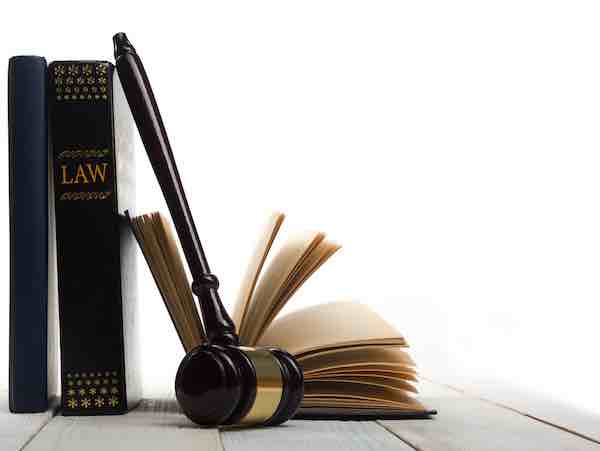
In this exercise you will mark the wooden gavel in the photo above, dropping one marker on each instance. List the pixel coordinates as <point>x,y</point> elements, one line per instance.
<point>218,382</point>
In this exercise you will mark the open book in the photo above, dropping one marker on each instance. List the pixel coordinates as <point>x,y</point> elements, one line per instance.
<point>354,362</point>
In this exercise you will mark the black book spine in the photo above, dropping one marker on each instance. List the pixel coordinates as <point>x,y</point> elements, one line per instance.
<point>93,182</point>
<point>28,211</point>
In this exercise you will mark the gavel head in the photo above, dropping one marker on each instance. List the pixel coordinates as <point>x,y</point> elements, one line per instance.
<point>227,385</point>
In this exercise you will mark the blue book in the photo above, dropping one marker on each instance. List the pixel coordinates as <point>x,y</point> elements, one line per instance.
<point>28,200</point>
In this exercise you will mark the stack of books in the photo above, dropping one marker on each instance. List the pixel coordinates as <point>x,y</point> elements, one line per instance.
<point>355,364</point>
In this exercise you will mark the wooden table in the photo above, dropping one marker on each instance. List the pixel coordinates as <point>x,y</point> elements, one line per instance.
<point>464,422</point>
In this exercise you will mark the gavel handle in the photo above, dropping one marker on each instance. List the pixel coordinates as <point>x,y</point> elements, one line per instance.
<point>219,327</point>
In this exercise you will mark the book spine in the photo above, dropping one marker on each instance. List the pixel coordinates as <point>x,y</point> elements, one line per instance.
<point>94,282</point>
<point>28,217</point>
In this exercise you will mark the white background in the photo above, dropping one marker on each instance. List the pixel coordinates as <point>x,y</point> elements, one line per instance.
<point>451,147</point>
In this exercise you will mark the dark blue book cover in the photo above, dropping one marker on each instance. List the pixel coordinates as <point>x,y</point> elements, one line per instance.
<point>28,205</point>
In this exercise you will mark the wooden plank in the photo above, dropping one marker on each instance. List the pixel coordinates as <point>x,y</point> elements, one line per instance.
<point>534,405</point>
<point>467,423</point>
<point>314,436</point>
<point>154,425</point>
<point>16,430</point>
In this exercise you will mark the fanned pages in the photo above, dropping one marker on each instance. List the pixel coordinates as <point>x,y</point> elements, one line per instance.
<point>254,268</point>
<point>278,276</point>
<point>296,261</point>
<point>160,250</point>
<point>359,357</point>
<point>354,362</point>
<point>329,326</point>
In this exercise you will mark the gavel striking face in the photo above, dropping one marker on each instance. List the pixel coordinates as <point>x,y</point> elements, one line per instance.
<point>225,384</point>
<point>218,382</point>
<point>221,383</point>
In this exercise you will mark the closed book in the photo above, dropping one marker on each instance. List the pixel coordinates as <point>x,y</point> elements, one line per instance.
<point>94,181</point>
<point>28,217</point>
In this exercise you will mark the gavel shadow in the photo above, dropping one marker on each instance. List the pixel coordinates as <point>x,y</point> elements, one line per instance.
<point>167,413</point>
<point>163,412</point>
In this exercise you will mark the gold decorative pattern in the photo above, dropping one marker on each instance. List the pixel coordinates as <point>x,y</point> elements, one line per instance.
<point>84,195</point>
<point>59,70</point>
<point>91,395</point>
<point>80,81</point>
<point>73,69</point>
<point>84,153</point>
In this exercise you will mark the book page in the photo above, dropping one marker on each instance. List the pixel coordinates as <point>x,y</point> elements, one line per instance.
<point>317,257</point>
<point>359,358</point>
<point>352,403</point>
<point>380,371</point>
<point>254,268</point>
<point>341,393</point>
<point>155,261</point>
<point>168,243</point>
<point>329,326</point>
<point>395,383</point>
<point>160,250</point>
<point>283,266</point>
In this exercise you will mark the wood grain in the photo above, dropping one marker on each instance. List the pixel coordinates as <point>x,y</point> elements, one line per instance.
<point>534,405</point>
<point>154,425</point>
<point>16,430</point>
<point>465,423</point>
<point>314,436</point>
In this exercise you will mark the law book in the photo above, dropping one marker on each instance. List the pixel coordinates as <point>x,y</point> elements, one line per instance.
<point>31,375</point>
<point>355,364</point>
<point>94,182</point>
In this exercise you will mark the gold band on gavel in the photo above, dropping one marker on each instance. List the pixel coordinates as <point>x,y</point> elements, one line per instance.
<point>269,386</point>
